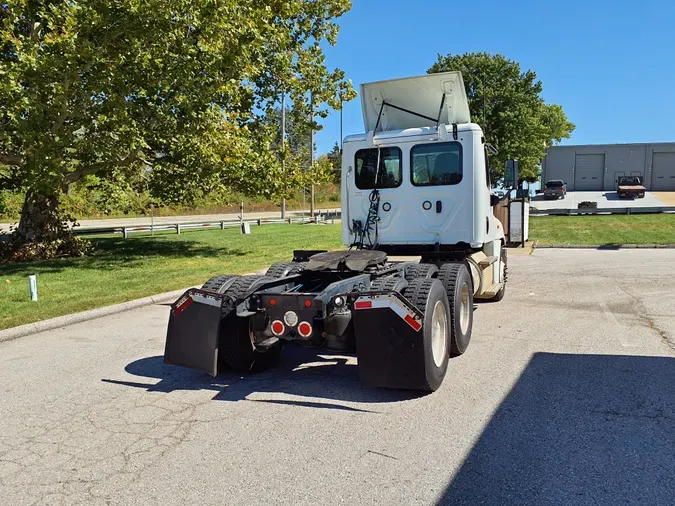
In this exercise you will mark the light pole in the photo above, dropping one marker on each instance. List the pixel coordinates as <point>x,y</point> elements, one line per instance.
<point>340,123</point>
<point>283,149</point>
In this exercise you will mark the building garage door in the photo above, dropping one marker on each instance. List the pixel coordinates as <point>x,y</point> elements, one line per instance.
<point>663,172</point>
<point>589,171</point>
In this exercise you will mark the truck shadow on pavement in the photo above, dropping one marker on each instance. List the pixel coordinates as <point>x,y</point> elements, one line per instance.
<point>614,196</point>
<point>577,429</point>
<point>304,372</point>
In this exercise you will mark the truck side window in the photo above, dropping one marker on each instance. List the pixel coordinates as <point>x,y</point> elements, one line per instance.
<point>436,164</point>
<point>389,173</point>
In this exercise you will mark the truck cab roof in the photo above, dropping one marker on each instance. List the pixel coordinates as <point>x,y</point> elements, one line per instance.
<point>411,133</point>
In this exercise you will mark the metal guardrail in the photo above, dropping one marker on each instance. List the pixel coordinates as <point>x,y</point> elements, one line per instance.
<point>603,210</point>
<point>220,224</point>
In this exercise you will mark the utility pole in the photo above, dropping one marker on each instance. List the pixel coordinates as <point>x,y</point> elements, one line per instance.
<point>283,149</point>
<point>340,123</point>
<point>311,155</point>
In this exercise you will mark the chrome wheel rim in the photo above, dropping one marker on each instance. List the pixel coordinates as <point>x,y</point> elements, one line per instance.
<point>464,308</point>
<point>439,333</point>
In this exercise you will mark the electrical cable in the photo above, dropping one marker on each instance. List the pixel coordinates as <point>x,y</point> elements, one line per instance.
<point>363,231</point>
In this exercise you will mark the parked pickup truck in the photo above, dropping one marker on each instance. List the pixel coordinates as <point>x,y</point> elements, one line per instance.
<point>631,186</point>
<point>554,189</point>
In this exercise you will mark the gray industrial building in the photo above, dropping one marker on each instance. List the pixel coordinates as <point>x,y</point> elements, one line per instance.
<point>597,167</point>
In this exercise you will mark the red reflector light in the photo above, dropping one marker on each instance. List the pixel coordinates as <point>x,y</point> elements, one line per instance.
<point>305,329</point>
<point>277,328</point>
<point>413,323</point>
<point>182,306</point>
<point>273,302</point>
<point>363,305</point>
<point>308,303</point>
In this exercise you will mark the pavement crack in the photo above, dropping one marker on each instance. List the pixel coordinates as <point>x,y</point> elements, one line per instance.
<point>619,414</point>
<point>648,320</point>
<point>381,454</point>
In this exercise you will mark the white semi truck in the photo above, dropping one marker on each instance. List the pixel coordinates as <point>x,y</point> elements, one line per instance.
<point>416,183</point>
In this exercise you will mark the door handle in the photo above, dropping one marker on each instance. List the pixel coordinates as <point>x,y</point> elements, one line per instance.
<point>439,206</point>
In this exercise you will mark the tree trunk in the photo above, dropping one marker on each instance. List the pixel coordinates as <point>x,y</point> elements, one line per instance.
<point>40,219</point>
<point>42,232</point>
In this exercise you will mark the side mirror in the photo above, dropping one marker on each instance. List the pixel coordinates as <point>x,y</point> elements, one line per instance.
<point>510,173</point>
<point>494,200</point>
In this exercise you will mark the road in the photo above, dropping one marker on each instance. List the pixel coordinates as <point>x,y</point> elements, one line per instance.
<point>197,218</point>
<point>565,396</point>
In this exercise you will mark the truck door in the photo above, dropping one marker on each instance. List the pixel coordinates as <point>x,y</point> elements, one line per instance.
<point>438,196</point>
<point>381,169</point>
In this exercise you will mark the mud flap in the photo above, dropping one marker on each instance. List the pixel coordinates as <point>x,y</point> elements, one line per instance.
<point>389,349</point>
<point>192,336</point>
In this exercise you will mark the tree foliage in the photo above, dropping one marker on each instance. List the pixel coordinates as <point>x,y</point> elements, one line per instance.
<point>335,158</point>
<point>507,103</point>
<point>173,91</point>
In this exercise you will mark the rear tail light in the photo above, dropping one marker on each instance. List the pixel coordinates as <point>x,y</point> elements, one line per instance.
<point>277,328</point>
<point>305,329</point>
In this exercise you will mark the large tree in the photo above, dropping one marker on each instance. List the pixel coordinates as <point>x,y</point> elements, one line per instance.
<point>507,103</point>
<point>173,89</point>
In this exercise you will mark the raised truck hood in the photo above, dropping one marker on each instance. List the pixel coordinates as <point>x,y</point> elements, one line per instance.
<point>422,95</point>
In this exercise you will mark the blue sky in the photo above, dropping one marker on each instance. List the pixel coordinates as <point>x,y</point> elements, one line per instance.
<point>611,66</point>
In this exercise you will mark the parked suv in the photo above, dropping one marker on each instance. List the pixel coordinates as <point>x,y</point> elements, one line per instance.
<point>555,189</point>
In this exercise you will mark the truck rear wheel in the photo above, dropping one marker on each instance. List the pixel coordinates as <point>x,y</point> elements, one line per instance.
<point>393,283</point>
<point>220,283</point>
<point>459,288</point>
<point>236,348</point>
<point>283,269</point>
<point>429,296</point>
<point>421,271</point>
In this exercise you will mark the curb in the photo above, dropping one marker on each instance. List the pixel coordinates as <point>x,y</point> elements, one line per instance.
<point>71,319</point>
<point>605,246</point>
<point>66,320</point>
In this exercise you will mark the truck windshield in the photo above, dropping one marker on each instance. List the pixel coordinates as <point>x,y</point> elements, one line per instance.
<point>389,173</point>
<point>554,184</point>
<point>630,181</point>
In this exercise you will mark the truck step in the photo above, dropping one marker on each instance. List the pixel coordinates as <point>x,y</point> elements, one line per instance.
<point>488,261</point>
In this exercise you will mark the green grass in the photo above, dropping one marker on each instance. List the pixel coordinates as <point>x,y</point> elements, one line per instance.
<point>120,270</point>
<point>604,230</point>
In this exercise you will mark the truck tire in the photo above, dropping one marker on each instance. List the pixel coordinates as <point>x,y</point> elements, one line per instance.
<point>459,288</point>
<point>219,284</point>
<point>236,348</point>
<point>283,269</point>
<point>424,271</point>
<point>429,296</point>
<point>393,283</point>
<point>505,273</point>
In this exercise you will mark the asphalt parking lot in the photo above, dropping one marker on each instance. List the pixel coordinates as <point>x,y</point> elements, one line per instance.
<point>565,396</point>
<point>605,199</point>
